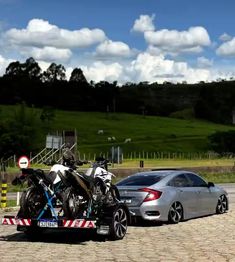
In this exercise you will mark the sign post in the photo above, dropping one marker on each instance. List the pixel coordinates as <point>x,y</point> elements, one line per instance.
<point>23,162</point>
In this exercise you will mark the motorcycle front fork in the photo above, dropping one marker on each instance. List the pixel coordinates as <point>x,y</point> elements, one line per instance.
<point>87,213</point>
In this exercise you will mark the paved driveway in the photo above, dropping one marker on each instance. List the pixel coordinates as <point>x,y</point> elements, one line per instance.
<point>210,238</point>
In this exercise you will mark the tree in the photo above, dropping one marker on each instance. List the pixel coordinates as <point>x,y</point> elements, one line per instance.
<point>78,76</point>
<point>222,142</point>
<point>30,69</point>
<point>54,73</point>
<point>19,134</point>
<point>107,93</point>
<point>14,69</point>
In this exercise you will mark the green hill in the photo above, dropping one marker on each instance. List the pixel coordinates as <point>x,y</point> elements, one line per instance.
<point>149,133</point>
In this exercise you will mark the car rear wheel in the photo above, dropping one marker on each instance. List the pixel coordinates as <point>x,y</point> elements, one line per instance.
<point>222,204</point>
<point>119,223</point>
<point>175,214</point>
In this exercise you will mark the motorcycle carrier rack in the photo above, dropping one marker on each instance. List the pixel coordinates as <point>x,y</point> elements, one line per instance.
<point>112,223</point>
<point>49,223</point>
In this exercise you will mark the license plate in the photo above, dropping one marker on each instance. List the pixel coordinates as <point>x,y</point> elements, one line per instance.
<point>51,224</point>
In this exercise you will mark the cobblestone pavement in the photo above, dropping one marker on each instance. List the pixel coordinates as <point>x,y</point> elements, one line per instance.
<point>210,238</point>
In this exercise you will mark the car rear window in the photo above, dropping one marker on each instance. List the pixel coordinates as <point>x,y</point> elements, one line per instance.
<point>144,180</point>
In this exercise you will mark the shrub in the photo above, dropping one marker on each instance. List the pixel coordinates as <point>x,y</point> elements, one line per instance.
<point>223,141</point>
<point>187,113</point>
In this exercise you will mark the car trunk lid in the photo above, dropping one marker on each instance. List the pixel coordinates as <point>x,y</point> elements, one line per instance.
<point>132,195</point>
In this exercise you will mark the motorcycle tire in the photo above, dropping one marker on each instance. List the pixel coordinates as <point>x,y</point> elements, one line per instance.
<point>32,202</point>
<point>70,204</point>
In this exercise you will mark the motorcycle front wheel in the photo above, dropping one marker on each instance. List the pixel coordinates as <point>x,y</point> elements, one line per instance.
<point>73,204</point>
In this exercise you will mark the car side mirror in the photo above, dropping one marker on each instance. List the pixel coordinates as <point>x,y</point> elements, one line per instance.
<point>210,184</point>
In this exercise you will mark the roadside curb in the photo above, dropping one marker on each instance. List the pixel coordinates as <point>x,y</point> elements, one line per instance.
<point>9,209</point>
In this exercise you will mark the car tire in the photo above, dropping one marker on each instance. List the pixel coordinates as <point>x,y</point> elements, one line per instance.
<point>222,205</point>
<point>118,227</point>
<point>175,214</point>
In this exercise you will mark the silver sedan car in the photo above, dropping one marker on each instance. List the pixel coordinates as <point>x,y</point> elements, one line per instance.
<point>171,195</point>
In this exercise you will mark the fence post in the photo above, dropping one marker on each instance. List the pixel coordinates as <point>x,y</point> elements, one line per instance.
<point>141,163</point>
<point>18,199</point>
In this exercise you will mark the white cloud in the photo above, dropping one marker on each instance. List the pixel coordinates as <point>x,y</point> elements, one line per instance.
<point>100,71</point>
<point>223,73</point>
<point>40,33</point>
<point>3,64</point>
<point>113,49</point>
<point>152,68</point>
<point>227,49</point>
<point>175,42</point>
<point>43,65</point>
<point>48,43</point>
<point>225,37</point>
<point>144,23</point>
<point>47,53</point>
<point>203,62</point>
<point>146,67</point>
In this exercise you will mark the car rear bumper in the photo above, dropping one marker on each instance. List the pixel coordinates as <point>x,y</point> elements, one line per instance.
<point>150,212</point>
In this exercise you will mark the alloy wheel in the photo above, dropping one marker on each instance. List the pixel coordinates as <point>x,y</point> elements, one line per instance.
<point>120,223</point>
<point>175,213</point>
<point>222,205</point>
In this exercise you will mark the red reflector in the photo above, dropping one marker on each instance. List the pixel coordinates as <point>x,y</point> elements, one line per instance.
<point>152,194</point>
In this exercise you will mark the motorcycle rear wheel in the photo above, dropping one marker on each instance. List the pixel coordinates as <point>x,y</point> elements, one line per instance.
<point>32,202</point>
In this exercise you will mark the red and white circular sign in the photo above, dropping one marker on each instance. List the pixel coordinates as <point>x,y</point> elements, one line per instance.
<point>23,162</point>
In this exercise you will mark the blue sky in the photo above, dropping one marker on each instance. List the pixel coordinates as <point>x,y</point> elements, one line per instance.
<point>125,40</point>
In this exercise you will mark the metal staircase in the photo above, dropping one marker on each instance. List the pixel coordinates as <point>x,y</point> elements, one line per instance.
<point>54,147</point>
<point>47,155</point>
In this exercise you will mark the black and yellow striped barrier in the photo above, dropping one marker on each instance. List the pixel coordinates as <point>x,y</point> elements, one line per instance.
<point>4,185</point>
<point>4,194</point>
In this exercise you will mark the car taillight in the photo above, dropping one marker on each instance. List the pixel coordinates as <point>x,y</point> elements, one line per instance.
<point>152,194</point>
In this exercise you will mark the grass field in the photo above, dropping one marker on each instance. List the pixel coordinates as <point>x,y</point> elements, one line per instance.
<point>11,203</point>
<point>164,163</point>
<point>149,134</point>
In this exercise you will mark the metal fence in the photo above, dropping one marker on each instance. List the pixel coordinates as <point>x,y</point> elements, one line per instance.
<point>144,155</point>
<point>177,155</point>
<point>162,155</point>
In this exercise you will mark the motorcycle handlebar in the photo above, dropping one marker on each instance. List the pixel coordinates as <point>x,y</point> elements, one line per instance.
<point>100,162</point>
<point>27,171</point>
